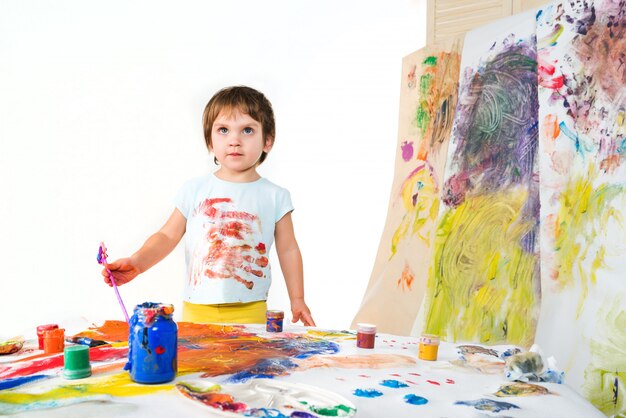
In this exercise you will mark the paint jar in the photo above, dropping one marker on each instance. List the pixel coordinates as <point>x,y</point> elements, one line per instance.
<point>365,335</point>
<point>152,344</point>
<point>76,362</point>
<point>53,340</point>
<point>428,348</point>
<point>40,331</point>
<point>274,321</point>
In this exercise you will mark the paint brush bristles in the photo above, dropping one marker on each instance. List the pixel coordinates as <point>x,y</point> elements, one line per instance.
<point>102,259</point>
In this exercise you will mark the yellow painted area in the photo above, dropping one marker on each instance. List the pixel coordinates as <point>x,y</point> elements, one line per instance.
<point>422,185</point>
<point>483,286</point>
<point>115,385</point>
<point>550,39</point>
<point>581,223</point>
<point>605,376</point>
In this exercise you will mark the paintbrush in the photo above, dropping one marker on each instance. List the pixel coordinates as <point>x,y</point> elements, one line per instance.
<point>102,259</point>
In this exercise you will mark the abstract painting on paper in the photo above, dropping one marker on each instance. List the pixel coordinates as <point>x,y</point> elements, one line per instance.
<point>428,96</point>
<point>582,96</point>
<point>484,279</point>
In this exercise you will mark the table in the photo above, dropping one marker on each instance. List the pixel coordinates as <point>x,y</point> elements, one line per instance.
<point>388,380</point>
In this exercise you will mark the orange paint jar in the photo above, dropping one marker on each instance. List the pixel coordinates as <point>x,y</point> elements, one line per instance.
<point>54,341</point>
<point>428,348</point>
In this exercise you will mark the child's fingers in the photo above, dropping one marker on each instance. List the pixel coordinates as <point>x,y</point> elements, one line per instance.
<point>307,319</point>
<point>296,317</point>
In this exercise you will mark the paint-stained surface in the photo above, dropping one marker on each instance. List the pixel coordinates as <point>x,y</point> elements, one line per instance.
<point>303,373</point>
<point>582,93</point>
<point>483,283</point>
<point>428,95</point>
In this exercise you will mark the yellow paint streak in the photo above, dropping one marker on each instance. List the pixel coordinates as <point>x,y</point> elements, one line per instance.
<point>584,212</point>
<point>605,376</point>
<point>482,284</point>
<point>115,385</point>
<point>426,207</point>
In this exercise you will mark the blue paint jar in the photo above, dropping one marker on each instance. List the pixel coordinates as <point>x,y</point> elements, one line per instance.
<point>152,344</point>
<point>274,321</point>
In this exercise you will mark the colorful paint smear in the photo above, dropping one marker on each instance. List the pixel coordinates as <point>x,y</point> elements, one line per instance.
<point>483,284</point>
<point>582,92</point>
<point>428,97</point>
<point>97,389</point>
<point>488,405</point>
<point>214,350</point>
<point>521,389</point>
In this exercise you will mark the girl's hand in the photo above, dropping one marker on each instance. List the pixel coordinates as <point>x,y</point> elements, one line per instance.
<point>123,271</point>
<point>301,312</point>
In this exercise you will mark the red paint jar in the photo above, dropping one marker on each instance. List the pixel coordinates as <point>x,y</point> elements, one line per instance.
<point>41,329</point>
<point>366,335</point>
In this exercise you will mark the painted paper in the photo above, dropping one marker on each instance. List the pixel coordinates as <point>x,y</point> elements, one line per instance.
<point>582,94</point>
<point>484,281</point>
<point>428,95</point>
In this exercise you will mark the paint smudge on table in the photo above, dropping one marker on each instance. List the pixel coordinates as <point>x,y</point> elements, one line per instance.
<point>367,393</point>
<point>392,383</point>
<point>415,399</point>
<point>488,405</point>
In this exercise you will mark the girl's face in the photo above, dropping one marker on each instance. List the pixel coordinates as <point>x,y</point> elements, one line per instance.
<point>237,142</point>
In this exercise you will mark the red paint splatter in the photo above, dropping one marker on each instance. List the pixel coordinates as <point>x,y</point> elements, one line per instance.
<point>411,382</point>
<point>394,374</point>
<point>415,374</point>
<point>450,381</point>
<point>260,248</point>
<point>159,350</point>
<point>432,382</point>
<point>364,375</point>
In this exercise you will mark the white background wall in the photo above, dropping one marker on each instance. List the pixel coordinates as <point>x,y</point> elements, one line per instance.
<point>100,124</point>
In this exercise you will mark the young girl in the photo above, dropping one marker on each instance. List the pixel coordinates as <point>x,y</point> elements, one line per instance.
<point>230,219</point>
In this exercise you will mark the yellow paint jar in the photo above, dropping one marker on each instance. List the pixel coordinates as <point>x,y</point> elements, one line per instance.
<point>428,348</point>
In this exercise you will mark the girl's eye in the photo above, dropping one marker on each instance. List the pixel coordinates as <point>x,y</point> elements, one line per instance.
<point>248,131</point>
<point>222,130</point>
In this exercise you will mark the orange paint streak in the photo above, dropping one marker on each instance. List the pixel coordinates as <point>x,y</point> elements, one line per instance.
<point>551,127</point>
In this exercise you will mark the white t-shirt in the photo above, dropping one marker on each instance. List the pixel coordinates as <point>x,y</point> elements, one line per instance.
<point>230,230</point>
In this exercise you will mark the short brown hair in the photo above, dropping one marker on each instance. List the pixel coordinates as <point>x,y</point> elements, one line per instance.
<point>247,100</point>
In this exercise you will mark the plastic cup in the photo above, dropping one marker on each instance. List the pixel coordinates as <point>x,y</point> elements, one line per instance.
<point>77,364</point>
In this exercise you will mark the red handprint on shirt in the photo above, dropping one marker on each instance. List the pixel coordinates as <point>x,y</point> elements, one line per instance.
<point>234,250</point>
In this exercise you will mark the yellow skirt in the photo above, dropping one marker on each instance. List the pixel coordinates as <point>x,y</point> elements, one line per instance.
<point>225,313</point>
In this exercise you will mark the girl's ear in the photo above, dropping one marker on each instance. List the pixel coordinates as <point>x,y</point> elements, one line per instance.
<point>269,143</point>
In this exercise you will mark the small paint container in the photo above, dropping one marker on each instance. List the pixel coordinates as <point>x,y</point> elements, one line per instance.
<point>428,348</point>
<point>365,335</point>
<point>76,359</point>
<point>274,321</point>
<point>41,329</point>
<point>53,341</point>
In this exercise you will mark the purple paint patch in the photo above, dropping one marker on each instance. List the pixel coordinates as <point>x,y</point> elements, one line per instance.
<point>407,150</point>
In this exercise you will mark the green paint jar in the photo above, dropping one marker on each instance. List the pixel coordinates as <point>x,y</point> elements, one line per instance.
<point>77,364</point>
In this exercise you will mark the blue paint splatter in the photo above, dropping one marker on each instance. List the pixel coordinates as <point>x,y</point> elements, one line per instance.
<point>265,369</point>
<point>19,381</point>
<point>415,400</point>
<point>367,393</point>
<point>488,405</point>
<point>393,384</point>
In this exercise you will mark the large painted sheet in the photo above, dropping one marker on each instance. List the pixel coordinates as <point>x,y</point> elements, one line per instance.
<point>236,371</point>
<point>582,94</point>
<point>428,96</point>
<point>484,280</point>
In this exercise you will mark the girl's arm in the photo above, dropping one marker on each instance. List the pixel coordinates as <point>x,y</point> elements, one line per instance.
<point>291,264</point>
<point>156,247</point>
